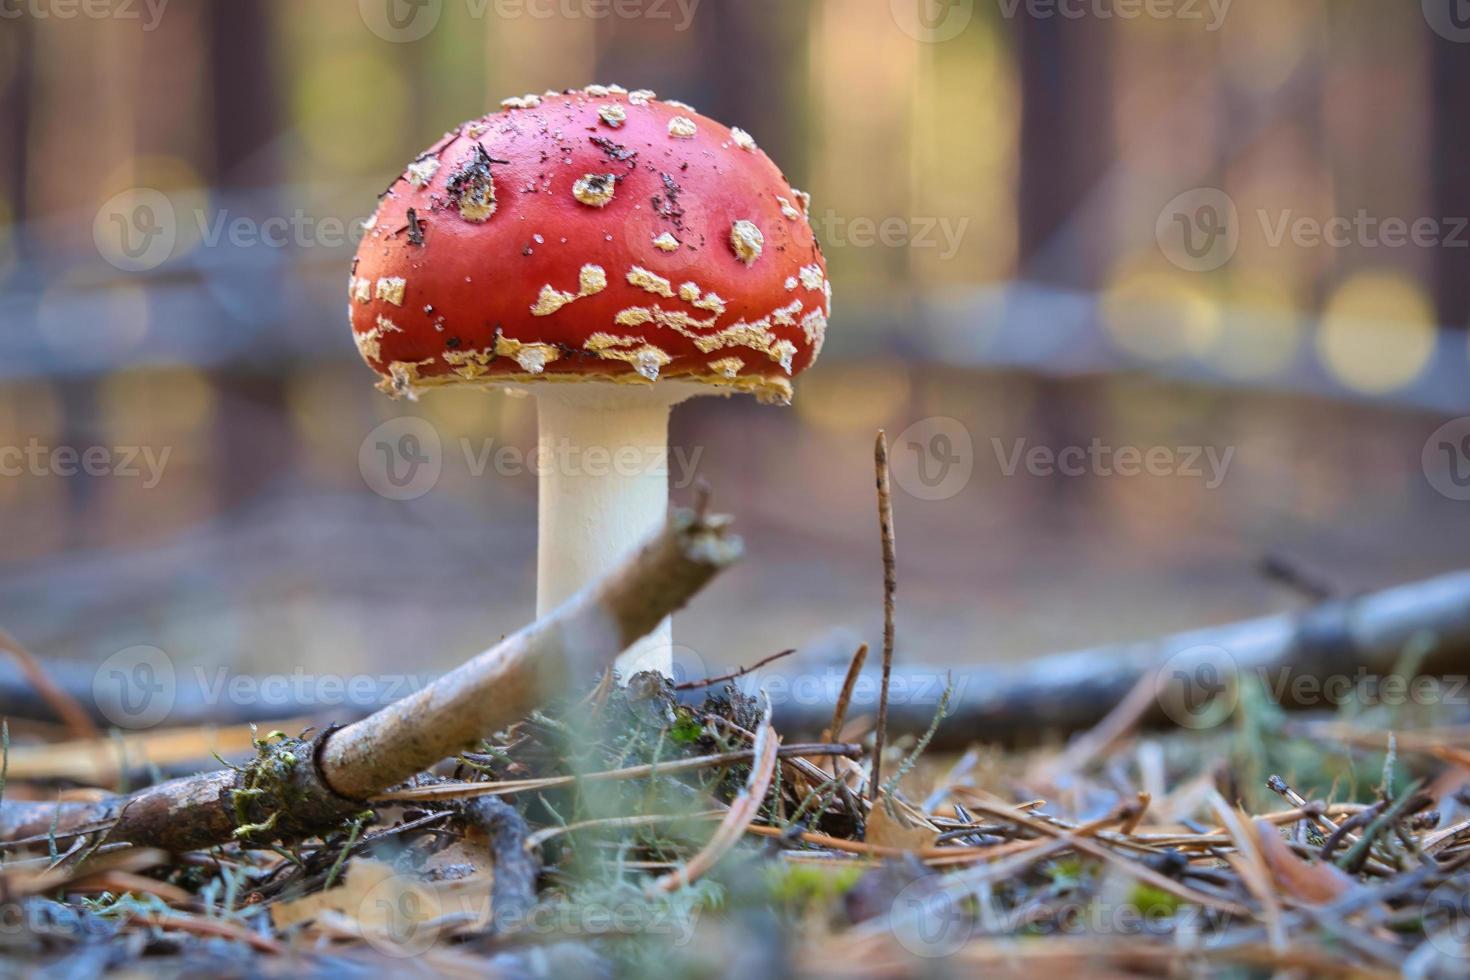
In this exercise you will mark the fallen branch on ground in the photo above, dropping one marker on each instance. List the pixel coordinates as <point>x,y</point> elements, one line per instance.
<point>296,789</point>
<point>1070,692</point>
<point>1060,694</point>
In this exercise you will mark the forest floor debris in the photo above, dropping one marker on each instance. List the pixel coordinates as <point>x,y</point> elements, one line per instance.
<point>626,832</point>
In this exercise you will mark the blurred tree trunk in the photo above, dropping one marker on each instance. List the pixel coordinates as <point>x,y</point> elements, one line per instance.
<point>1450,164</point>
<point>253,437</point>
<point>753,70</point>
<point>1066,145</point>
<point>243,90</point>
<point>1066,152</point>
<point>739,62</point>
<point>15,109</point>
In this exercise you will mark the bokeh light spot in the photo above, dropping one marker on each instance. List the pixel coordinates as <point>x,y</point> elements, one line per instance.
<point>1377,332</point>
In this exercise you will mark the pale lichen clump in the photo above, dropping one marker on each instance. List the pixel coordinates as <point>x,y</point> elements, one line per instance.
<point>756,336</point>
<point>634,316</point>
<point>469,364</point>
<point>403,379</point>
<point>390,289</point>
<point>360,289</point>
<point>369,342</point>
<point>550,300</point>
<point>614,115</point>
<point>682,128</point>
<point>727,366</point>
<point>641,97</point>
<point>743,139</point>
<point>784,353</point>
<point>595,190</point>
<point>690,293</point>
<point>532,360</point>
<point>420,172</point>
<point>648,361</point>
<point>591,280</point>
<point>530,101</point>
<point>605,341</point>
<point>666,243</point>
<point>650,282</point>
<point>814,327</point>
<point>645,358</point>
<point>532,357</point>
<point>747,241</point>
<point>787,210</point>
<point>712,303</point>
<point>812,277</point>
<point>786,315</point>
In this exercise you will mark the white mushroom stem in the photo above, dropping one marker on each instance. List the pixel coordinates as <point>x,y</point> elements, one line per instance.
<point>604,489</point>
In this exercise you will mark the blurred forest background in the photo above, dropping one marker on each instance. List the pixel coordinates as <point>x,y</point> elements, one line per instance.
<point>994,189</point>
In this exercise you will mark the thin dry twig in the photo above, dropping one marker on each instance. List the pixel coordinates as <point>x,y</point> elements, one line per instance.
<point>1114,726</point>
<point>71,713</point>
<point>890,586</point>
<point>467,791</point>
<point>733,675</point>
<point>211,928</point>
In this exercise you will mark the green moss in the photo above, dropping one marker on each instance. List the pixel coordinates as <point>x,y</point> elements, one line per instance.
<point>686,729</point>
<point>1153,901</point>
<point>804,885</point>
<point>1065,872</point>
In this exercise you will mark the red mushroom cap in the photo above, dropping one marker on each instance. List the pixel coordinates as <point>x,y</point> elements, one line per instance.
<point>598,234</point>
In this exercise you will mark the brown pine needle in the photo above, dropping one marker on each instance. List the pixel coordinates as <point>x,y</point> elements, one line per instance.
<point>854,670</point>
<point>742,812</point>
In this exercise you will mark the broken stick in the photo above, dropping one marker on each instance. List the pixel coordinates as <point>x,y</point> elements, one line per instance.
<point>1018,703</point>
<point>296,789</point>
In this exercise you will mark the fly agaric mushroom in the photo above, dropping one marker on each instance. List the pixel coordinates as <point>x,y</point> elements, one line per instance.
<point>621,253</point>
